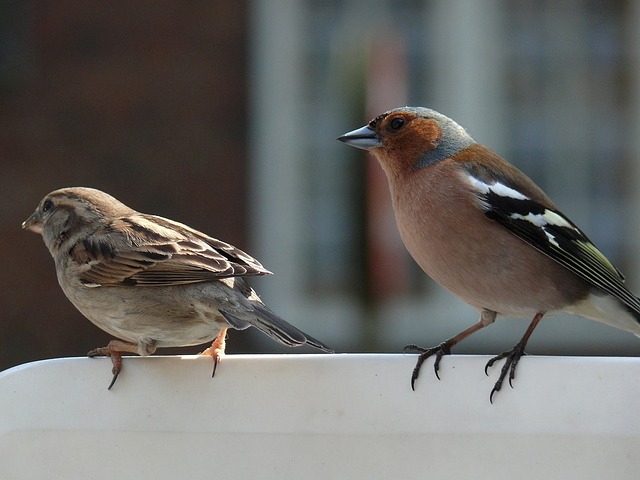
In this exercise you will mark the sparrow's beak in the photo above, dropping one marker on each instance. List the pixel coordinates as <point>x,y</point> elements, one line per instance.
<point>364,138</point>
<point>33,223</point>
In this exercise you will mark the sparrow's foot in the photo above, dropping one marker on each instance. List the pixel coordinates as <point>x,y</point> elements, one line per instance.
<point>439,351</point>
<point>114,349</point>
<point>512,357</point>
<point>216,350</point>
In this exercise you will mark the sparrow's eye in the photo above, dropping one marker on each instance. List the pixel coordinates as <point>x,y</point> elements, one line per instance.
<point>397,123</point>
<point>46,206</point>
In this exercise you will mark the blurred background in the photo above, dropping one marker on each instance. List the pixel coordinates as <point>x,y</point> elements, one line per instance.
<point>223,115</point>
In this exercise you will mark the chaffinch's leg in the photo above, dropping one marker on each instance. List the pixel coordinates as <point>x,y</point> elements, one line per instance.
<point>512,357</point>
<point>114,349</point>
<point>487,317</point>
<point>216,350</point>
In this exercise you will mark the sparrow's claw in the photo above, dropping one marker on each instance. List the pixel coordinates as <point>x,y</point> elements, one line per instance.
<point>114,349</point>
<point>216,350</point>
<point>99,352</point>
<point>116,360</point>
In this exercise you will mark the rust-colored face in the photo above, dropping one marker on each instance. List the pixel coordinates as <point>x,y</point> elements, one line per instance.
<point>405,137</point>
<point>410,138</point>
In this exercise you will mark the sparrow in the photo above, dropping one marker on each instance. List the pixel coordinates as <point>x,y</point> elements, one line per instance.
<point>483,230</point>
<point>149,281</point>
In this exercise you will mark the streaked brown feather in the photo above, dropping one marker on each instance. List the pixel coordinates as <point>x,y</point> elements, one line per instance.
<point>146,250</point>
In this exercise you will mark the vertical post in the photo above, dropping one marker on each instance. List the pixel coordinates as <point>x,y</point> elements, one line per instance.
<point>275,141</point>
<point>467,72</point>
<point>632,136</point>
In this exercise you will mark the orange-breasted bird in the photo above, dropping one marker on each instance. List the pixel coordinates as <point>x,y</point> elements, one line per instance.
<point>487,233</point>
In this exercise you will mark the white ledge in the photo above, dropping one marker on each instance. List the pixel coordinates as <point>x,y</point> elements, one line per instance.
<point>320,417</point>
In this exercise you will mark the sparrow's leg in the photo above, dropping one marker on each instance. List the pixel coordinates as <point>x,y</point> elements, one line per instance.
<point>114,349</point>
<point>216,350</point>
<point>487,317</point>
<point>512,357</point>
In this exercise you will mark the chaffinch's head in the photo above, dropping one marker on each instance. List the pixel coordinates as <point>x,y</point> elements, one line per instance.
<point>410,138</point>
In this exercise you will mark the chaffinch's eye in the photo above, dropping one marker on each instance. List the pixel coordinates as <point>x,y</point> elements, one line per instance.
<point>46,206</point>
<point>397,123</point>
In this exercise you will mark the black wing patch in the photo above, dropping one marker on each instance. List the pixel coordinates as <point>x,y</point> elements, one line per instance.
<point>553,234</point>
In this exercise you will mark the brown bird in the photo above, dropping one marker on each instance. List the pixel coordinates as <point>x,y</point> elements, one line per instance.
<point>149,281</point>
<point>483,230</point>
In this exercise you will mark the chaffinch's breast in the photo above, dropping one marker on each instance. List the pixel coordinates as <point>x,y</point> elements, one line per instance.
<point>472,256</point>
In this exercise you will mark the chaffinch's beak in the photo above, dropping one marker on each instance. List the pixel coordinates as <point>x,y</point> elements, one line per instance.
<point>33,223</point>
<point>364,138</point>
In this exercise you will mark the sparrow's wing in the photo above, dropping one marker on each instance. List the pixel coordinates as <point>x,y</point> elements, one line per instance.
<point>145,250</point>
<point>552,233</point>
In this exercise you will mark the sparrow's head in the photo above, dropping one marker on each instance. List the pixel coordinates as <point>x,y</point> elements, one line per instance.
<point>410,138</point>
<point>63,213</point>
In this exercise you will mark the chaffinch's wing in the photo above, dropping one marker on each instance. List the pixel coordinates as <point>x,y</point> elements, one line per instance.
<point>547,230</point>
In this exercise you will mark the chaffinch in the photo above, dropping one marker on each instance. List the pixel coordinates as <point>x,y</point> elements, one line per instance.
<point>483,230</point>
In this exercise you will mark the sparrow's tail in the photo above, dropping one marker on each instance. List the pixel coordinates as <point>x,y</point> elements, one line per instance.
<point>277,328</point>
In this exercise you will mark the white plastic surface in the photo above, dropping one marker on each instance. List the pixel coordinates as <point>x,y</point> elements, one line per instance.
<point>320,417</point>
